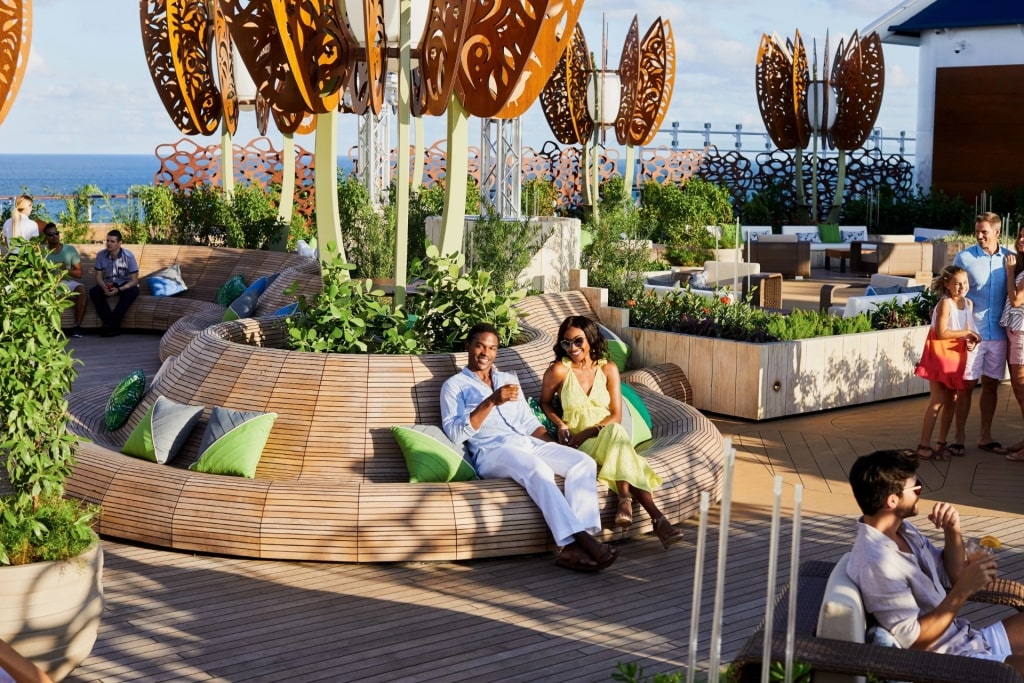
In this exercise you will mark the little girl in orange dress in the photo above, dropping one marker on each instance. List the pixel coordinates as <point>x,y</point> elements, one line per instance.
<point>951,337</point>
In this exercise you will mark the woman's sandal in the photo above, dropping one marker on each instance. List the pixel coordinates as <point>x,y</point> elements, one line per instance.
<point>667,534</point>
<point>925,452</point>
<point>624,515</point>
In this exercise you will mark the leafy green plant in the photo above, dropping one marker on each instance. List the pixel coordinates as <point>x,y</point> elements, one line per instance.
<point>253,221</point>
<point>771,205</point>
<point>503,246</point>
<point>148,215</point>
<point>632,672</point>
<point>918,311</point>
<point>539,197</point>
<point>201,216</point>
<point>74,218</point>
<point>619,253</point>
<point>450,302</point>
<point>349,316</point>
<point>35,522</point>
<point>677,217</point>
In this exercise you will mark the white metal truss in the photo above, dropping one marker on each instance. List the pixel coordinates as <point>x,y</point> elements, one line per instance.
<point>501,167</point>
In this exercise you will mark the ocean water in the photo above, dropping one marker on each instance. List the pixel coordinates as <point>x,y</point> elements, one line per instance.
<point>50,175</point>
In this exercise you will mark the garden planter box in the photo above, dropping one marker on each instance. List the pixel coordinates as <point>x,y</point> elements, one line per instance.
<point>765,381</point>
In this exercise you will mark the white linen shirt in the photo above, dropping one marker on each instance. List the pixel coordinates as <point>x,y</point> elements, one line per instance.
<point>509,424</point>
<point>899,587</point>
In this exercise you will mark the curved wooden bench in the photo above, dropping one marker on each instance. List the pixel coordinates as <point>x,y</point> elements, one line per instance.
<point>204,270</point>
<point>332,483</point>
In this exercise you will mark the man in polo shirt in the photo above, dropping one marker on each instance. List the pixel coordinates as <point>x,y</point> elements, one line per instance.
<point>985,266</point>
<point>67,257</point>
<point>117,273</point>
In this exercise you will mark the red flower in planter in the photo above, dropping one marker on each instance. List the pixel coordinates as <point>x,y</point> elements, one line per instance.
<point>631,303</point>
<point>724,299</point>
<point>706,310</point>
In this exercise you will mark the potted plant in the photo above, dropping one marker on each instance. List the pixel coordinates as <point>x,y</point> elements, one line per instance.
<point>51,597</point>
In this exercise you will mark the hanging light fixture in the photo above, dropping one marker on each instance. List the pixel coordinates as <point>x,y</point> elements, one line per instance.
<point>604,95</point>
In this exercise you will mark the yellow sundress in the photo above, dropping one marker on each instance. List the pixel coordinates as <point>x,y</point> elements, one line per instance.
<point>612,448</point>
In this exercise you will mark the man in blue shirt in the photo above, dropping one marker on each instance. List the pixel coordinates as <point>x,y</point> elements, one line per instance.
<point>117,272</point>
<point>485,409</point>
<point>985,263</point>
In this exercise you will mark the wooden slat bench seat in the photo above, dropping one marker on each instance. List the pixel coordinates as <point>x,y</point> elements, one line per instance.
<point>332,483</point>
<point>204,270</point>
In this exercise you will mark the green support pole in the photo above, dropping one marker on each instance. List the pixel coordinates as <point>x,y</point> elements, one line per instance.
<point>420,161</point>
<point>453,220</point>
<point>227,160</point>
<point>404,114</point>
<point>328,228</point>
<point>287,202</point>
<point>630,163</point>
<point>837,200</point>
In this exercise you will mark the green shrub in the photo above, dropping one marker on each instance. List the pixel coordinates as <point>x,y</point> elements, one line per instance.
<point>678,218</point>
<point>38,451</point>
<point>539,197</point>
<point>253,222</point>
<point>503,246</point>
<point>74,218</point>
<point>149,215</point>
<point>772,205</point>
<point>201,216</point>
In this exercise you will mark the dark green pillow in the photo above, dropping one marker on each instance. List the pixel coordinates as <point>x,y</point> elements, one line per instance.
<point>123,400</point>
<point>829,233</point>
<point>629,393</point>
<point>431,456</point>
<point>542,417</point>
<point>230,290</point>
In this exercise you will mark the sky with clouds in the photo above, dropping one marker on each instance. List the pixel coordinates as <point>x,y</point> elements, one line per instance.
<point>87,89</point>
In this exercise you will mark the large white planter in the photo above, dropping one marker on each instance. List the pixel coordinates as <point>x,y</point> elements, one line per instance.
<point>50,611</point>
<point>765,381</point>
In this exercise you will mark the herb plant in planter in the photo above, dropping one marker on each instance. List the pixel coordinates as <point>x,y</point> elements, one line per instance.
<point>52,557</point>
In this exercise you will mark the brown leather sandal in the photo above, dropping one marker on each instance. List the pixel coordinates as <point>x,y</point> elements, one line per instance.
<point>667,534</point>
<point>624,515</point>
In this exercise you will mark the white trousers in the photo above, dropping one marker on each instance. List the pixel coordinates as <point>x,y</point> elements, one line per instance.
<point>535,468</point>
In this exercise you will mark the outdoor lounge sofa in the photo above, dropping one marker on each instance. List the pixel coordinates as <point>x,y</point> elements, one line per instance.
<point>204,271</point>
<point>891,255</point>
<point>332,483</point>
<point>782,254</point>
<point>829,656</point>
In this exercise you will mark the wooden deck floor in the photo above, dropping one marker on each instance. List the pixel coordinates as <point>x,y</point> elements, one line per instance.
<point>180,617</point>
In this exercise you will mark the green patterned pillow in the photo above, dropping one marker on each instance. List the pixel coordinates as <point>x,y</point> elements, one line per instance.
<point>431,456</point>
<point>542,417</point>
<point>230,290</point>
<point>124,399</point>
<point>233,442</point>
<point>163,431</point>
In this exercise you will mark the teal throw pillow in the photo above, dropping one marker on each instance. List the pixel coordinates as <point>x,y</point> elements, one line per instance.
<point>431,456</point>
<point>163,431</point>
<point>629,394</point>
<point>167,281</point>
<point>230,290</point>
<point>123,400</point>
<point>829,233</point>
<point>245,305</point>
<point>638,430</point>
<point>542,417</point>
<point>618,350</point>
<point>233,442</point>
<point>912,289</point>
<point>879,291</point>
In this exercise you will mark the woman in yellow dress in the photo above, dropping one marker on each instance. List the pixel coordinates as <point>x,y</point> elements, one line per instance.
<point>589,389</point>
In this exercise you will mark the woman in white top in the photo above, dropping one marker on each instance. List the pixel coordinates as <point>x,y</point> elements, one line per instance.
<point>19,224</point>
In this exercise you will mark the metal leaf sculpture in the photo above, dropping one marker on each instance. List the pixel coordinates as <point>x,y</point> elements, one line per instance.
<point>564,97</point>
<point>316,52</point>
<point>800,79</point>
<point>646,98</point>
<point>15,38</point>
<point>254,32</point>
<point>773,79</point>
<point>496,52</point>
<point>176,38</point>
<point>434,79</point>
<point>225,69</point>
<point>629,76</point>
<point>556,30</point>
<point>858,77</point>
<point>369,74</point>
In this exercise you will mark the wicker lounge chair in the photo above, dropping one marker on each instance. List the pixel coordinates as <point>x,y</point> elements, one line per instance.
<point>887,663</point>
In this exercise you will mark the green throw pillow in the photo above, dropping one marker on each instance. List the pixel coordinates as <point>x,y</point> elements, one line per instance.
<point>124,399</point>
<point>618,350</point>
<point>163,431</point>
<point>230,290</point>
<point>829,233</point>
<point>629,393</point>
<point>638,430</point>
<point>542,417</point>
<point>233,442</point>
<point>431,456</point>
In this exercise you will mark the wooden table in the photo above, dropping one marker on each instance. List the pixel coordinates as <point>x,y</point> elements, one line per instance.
<point>842,254</point>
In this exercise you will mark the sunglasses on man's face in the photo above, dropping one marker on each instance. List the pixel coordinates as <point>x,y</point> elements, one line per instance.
<point>569,343</point>
<point>51,234</point>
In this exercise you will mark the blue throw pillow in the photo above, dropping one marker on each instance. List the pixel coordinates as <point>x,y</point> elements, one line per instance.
<point>167,281</point>
<point>245,305</point>
<point>287,310</point>
<point>880,291</point>
<point>915,288</point>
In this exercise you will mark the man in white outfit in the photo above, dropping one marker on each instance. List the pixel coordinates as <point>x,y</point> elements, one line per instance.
<point>483,407</point>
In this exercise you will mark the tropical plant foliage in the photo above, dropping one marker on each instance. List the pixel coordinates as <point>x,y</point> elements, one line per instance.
<point>35,522</point>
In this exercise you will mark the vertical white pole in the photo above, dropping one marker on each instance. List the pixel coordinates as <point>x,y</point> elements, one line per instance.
<point>723,547</point>
<point>794,575</point>
<point>773,563</point>
<point>698,586</point>
<point>402,181</point>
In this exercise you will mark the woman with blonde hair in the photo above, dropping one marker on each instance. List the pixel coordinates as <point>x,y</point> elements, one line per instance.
<point>19,224</point>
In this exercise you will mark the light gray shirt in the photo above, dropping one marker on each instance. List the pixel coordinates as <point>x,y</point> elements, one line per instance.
<point>509,424</point>
<point>899,587</point>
